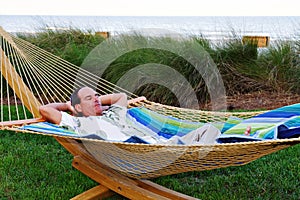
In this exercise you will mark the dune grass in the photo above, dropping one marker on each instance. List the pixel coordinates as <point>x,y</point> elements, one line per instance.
<point>244,68</point>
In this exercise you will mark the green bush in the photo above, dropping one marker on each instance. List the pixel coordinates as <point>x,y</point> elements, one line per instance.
<point>244,68</point>
<point>72,45</point>
<point>281,61</point>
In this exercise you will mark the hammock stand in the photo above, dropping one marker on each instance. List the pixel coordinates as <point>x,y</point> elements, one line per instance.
<point>117,167</point>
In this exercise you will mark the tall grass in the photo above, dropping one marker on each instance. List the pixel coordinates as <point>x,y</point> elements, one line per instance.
<point>72,45</point>
<point>244,68</point>
<point>282,65</point>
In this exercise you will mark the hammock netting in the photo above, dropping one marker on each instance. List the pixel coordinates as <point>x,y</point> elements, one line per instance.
<point>31,76</point>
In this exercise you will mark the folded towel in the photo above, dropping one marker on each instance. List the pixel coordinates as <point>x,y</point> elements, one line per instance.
<point>283,122</point>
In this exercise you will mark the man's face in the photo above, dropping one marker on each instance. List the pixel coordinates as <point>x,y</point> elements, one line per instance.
<point>90,104</point>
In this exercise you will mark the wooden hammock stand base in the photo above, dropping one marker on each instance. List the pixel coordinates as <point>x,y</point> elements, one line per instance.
<point>112,182</point>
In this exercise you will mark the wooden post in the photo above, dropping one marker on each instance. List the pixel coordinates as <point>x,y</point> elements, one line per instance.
<point>259,41</point>
<point>103,34</point>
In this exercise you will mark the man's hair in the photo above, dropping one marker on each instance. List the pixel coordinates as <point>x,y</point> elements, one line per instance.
<point>74,97</point>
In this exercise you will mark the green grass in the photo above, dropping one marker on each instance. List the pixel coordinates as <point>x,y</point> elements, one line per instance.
<point>275,176</point>
<point>72,45</point>
<point>37,167</point>
<point>244,68</point>
<point>15,113</point>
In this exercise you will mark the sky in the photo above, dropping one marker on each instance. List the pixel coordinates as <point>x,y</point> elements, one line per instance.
<point>151,7</point>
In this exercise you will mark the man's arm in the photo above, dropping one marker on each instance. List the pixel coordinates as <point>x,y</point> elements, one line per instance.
<point>117,98</point>
<point>136,100</point>
<point>51,112</point>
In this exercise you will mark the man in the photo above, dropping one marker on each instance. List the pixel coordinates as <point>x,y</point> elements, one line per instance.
<point>92,118</point>
<point>89,116</point>
<point>84,102</point>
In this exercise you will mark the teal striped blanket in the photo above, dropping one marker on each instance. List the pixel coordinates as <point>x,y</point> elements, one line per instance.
<point>280,123</point>
<point>165,126</point>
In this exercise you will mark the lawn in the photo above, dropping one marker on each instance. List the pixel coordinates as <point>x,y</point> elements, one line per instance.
<point>37,167</point>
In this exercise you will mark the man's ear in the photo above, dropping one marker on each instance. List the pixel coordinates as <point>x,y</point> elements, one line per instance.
<point>78,108</point>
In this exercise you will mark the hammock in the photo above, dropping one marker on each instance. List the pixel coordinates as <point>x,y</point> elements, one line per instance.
<point>31,77</point>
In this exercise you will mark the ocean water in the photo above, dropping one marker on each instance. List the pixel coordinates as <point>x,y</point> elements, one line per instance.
<point>210,27</point>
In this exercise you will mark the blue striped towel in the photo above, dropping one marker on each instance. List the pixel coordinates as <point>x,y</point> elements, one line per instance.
<point>280,123</point>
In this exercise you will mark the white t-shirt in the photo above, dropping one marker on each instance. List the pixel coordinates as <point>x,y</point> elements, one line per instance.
<point>113,125</point>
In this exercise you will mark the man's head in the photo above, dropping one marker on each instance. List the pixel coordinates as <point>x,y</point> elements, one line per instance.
<point>86,102</point>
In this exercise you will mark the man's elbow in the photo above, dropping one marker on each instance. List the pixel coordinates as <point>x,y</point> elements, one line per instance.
<point>123,96</point>
<point>43,110</point>
<point>49,114</point>
<point>122,100</point>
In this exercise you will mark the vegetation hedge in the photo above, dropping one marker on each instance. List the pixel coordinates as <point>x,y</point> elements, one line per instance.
<point>244,67</point>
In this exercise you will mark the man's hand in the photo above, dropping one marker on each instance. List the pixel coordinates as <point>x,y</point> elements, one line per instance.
<point>70,108</point>
<point>116,98</point>
<point>136,100</point>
